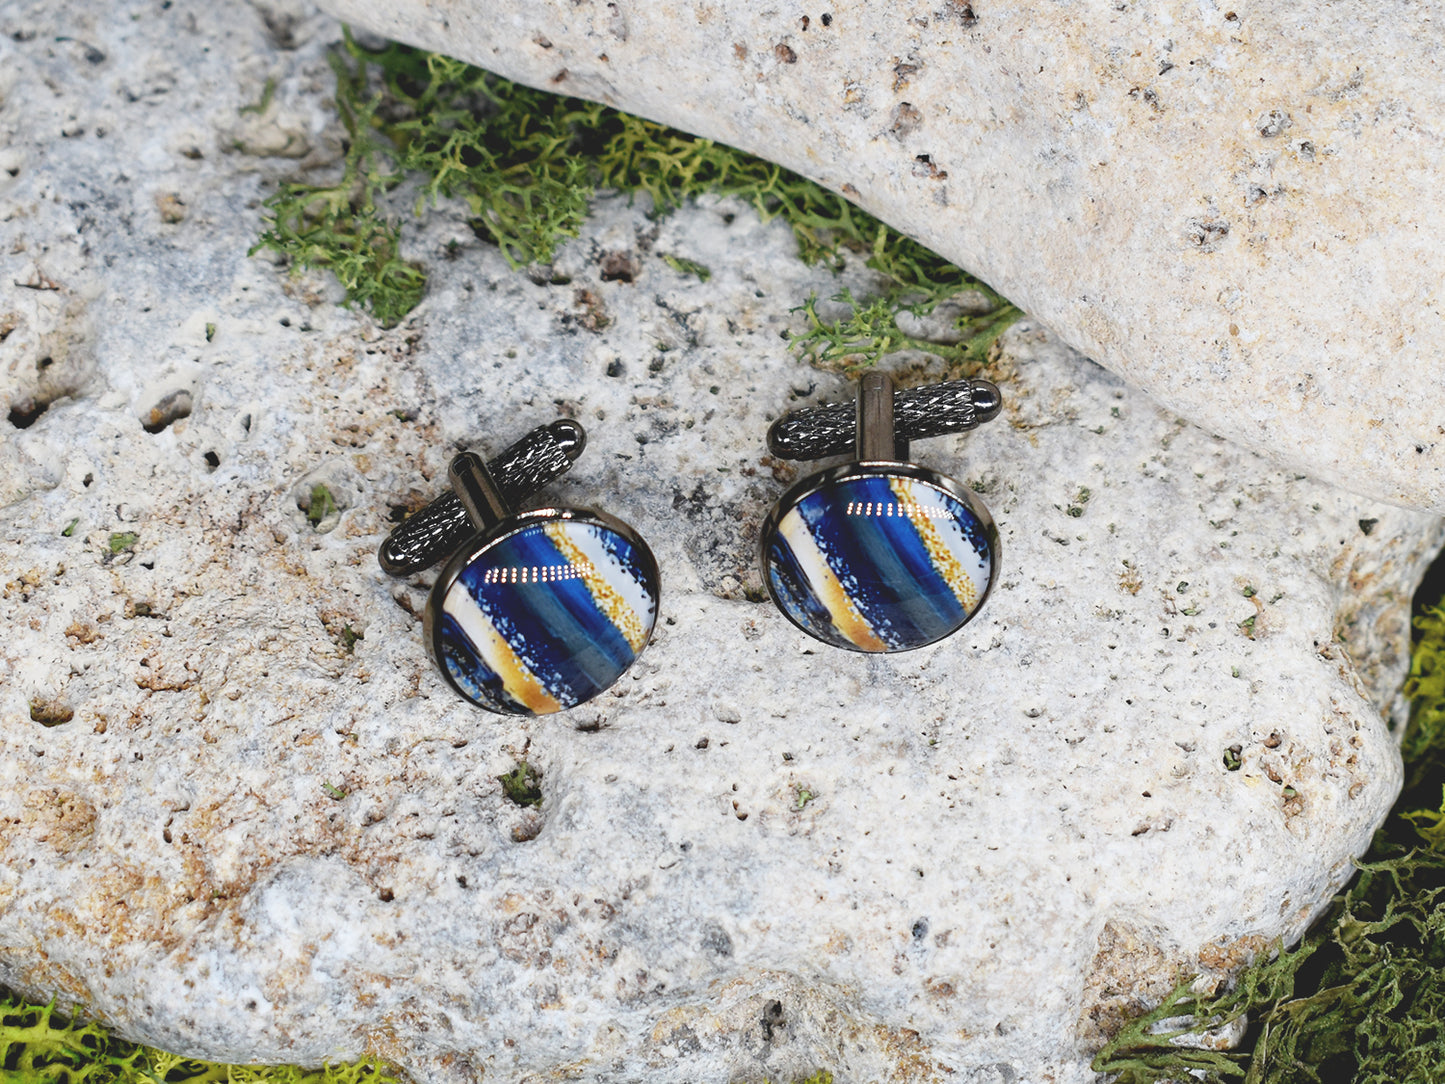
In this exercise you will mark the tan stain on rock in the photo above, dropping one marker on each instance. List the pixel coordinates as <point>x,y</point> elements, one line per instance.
<point>1130,974</point>
<point>1228,955</point>
<point>62,819</point>
<point>171,207</point>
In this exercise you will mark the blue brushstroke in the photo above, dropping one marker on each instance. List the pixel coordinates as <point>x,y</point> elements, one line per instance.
<point>477,680</point>
<point>882,564</point>
<point>555,627</point>
<point>795,595</point>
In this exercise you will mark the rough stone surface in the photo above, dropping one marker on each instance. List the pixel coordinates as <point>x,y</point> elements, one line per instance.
<point>1232,205</point>
<point>230,828</point>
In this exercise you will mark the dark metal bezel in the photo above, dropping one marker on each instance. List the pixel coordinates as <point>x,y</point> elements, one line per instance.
<point>479,543</point>
<point>874,469</point>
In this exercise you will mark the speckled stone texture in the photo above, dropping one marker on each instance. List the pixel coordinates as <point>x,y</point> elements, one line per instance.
<point>1235,206</point>
<point>242,818</point>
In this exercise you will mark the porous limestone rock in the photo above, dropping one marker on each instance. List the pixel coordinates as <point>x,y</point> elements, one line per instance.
<point>242,818</point>
<point>1235,206</point>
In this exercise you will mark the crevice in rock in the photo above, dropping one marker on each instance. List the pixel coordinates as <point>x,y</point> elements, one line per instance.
<point>1431,591</point>
<point>773,1020</point>
<point>25,412</point>
<point>171,407</point>
<point>522,786</point>
<point>50,713</point>
<point>619,267</point>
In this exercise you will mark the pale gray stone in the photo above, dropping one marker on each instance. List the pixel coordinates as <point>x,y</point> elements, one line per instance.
<point>944,324</point>
<point>230,830</point>
<point>1231,205</point>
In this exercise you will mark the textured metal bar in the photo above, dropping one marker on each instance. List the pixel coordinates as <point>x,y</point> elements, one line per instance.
<point>542,456</point>
<point>931,411</point>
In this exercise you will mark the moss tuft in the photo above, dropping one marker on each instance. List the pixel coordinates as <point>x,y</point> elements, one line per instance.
<point>526,164</point>
<point>341,227</point>
<point>522,785</point>
<point>38,1045</point>
<point>320,504</point>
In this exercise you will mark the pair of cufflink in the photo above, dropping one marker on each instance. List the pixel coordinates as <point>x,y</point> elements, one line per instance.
<point>541,610</point>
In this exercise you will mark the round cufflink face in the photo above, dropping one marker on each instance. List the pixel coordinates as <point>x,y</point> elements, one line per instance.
<point>879,557</point>
<point>544,613</point>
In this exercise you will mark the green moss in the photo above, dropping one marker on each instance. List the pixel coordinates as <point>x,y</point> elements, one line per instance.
<point>1423,746</point>
<point>504,150</point>
<point>870,331</point>
<point>341,227</point>
<point>522,785</point>
<point>120,541</point>
<point>1362,997</point>
<point>268,93</point>
<point>39,1046</point>
<point>684,266</point>
<point>526,164</point>
<point>320,505</point>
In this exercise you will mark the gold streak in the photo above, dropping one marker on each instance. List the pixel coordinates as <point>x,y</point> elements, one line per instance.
<point>517,678</point>
<point>840,607</point>
<point>954,574</point>
<point>608,599</point>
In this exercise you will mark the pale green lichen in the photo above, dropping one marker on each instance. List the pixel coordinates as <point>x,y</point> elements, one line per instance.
<point>38,1045</point>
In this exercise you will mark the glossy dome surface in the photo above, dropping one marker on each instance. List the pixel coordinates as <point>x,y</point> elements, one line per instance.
<point>882,562</point>
<point>546,617</point>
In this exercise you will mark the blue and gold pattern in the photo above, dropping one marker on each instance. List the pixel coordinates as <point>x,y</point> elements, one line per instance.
<point>547,617</point>
<point>881,562</point>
